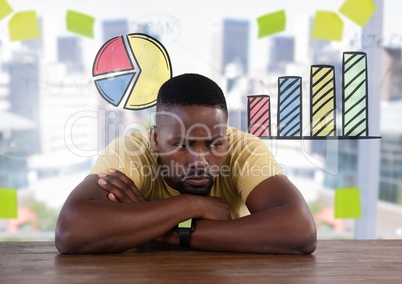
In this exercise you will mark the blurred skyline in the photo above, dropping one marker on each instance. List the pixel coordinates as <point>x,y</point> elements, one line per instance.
<point>194,22</point>
<point>192,14</point>
<point>194,36</point>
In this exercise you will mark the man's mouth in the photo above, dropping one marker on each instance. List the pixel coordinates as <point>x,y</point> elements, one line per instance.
<point>197,180</point>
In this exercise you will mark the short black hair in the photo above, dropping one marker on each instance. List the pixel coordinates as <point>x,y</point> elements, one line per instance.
<point>190,89</point>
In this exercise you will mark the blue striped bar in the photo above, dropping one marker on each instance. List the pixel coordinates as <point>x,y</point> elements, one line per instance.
<point>289,106</point>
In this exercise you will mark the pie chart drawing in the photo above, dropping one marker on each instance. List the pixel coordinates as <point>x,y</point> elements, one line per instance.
<point>131,68</point>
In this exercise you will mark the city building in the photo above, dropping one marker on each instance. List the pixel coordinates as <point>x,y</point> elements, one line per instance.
<point>24,94</point>
<point>69,52</point>
<point>390,187</point>
<point>392,83</point>
<point>391,152</point>
<point>49,96</point>
<point>281,53</point>
<point>13,164</point>
<point>235,45</point>
<point>113,28</point>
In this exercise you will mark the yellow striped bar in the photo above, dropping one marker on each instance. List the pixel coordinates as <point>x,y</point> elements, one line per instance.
<point>322,108</point>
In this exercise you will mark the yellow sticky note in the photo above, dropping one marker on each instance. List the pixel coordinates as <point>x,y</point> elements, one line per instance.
<point>8,203</point>
<point>328,26</point>
<point>79,23</point>
<point>5,9</point>
<point>358,11</point>
<point>24,26</point>
<point>271,23</point>
<point>347,203</point>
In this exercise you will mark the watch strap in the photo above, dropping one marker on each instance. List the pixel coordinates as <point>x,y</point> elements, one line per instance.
<point>184,230</point>
<point>184,236</point>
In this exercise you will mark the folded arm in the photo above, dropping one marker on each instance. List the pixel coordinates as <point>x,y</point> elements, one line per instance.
<point>280,221</point>
<point>90,223</point>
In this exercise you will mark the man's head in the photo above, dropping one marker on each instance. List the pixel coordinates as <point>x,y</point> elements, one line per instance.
<point>189,90</point>
<point>190,132</point>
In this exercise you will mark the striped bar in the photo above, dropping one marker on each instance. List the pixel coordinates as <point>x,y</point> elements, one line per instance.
<point>259,122</point>
<point>322,109</point>
<point>355,94</point>
<point>289,106</point>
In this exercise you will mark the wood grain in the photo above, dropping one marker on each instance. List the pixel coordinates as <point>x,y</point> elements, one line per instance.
<point>334,261</point>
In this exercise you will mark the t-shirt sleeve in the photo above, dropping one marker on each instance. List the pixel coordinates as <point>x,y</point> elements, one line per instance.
<point>108,158</point>
<point>126,154</point>
<point>253,163</point>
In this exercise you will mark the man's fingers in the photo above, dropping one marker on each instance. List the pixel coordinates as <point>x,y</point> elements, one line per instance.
<point>129,185</point>
<point>114,193</point>
<point>111,197</point>
<point>122,187</point>
<point>119,175</point>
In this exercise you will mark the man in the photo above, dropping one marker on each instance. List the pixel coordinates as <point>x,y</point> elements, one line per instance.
<point>193,168</point>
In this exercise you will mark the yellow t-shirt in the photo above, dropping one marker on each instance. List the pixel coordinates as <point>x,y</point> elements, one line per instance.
<point>247,163</point>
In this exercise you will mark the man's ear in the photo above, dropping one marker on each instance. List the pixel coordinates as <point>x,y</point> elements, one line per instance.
<point>154,138</point>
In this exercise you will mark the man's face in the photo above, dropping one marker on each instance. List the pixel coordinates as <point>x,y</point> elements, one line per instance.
<point>191,143</point>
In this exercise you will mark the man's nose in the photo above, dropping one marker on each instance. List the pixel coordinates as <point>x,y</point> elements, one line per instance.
<point>198,158</point>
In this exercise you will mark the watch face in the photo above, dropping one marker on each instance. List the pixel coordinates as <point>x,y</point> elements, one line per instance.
<point>188,224</point>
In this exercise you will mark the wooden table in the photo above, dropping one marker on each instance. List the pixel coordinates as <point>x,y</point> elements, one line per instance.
<point>340,261</point>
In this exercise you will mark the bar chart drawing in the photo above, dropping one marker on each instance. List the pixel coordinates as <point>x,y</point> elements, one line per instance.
<point>323,107</point>
<point>355,96</point>
<point>259,122</point>
<point>289,106</point>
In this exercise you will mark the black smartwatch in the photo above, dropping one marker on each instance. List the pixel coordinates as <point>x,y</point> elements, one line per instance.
<point>184,229</point>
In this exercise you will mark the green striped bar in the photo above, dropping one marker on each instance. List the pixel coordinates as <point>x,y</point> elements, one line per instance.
<point>355,96</point>
<point>322,109</point>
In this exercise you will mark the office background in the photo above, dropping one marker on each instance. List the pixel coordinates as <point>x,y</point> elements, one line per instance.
<point>53,122</point>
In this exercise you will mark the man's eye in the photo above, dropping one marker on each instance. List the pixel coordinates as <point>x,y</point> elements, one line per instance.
<point>181,146</point>
<point>215,144</point>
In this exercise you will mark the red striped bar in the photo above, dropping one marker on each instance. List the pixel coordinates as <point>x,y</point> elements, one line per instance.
<point>259,121</point>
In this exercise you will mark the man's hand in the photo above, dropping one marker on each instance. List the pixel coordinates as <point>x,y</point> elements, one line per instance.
<point>120,188</point>
<point>214,208</point>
